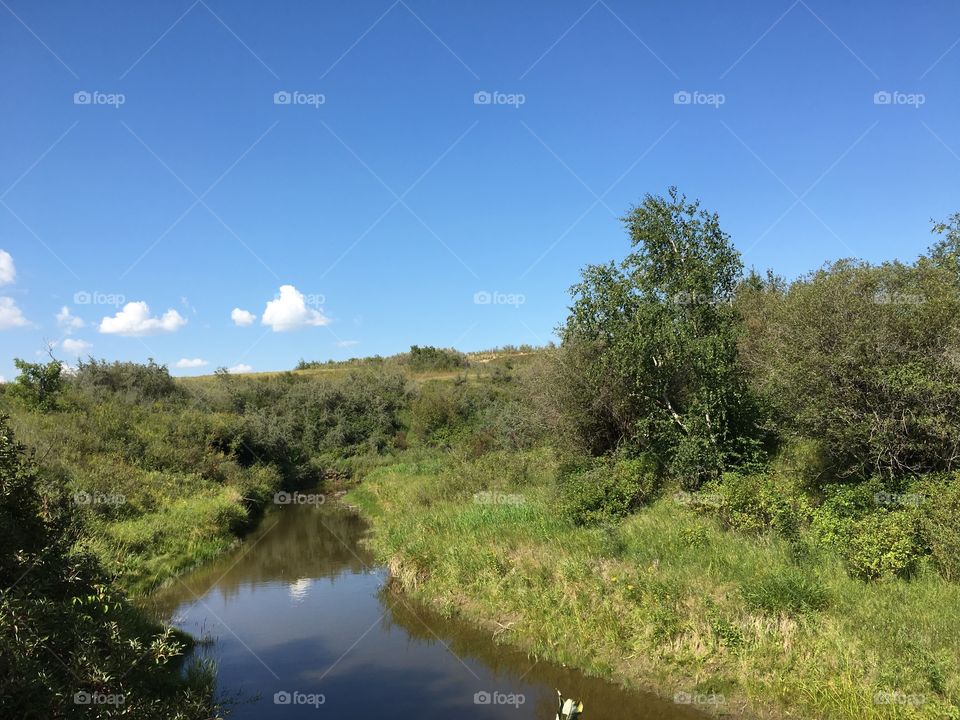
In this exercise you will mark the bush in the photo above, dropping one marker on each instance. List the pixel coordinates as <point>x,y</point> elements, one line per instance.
<point>133,382</point>
<point>757,503</point>
<point>422,359</point>
<point>606,489</point>
<point>884,543</point>
<point>940,524</point>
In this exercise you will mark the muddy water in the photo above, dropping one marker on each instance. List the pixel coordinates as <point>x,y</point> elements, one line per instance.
<point>301,625</point>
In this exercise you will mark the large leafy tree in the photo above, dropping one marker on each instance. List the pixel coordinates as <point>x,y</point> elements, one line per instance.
<point>652,344</point>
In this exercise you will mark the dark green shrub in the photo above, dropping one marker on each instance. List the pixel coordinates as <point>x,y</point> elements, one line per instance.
<point>940,523</point>
<point>422,359</point>
<point>132,382</point>
<point>607,490</point>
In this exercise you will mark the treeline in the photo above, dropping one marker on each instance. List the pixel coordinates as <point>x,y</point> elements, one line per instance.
<point>827,408</point>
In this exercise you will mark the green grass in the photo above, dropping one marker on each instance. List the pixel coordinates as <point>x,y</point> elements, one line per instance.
<point>665,600</point>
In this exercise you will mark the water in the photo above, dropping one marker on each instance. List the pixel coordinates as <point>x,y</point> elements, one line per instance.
<point>301,613</point>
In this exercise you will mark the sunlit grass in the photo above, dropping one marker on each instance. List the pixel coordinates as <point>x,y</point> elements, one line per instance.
<point>666,599</point>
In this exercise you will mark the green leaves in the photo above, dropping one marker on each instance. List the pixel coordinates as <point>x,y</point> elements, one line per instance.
<point>654,341</point>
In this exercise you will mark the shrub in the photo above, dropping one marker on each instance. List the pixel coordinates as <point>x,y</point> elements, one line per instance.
<point>38,384</point>
<point>422,359</point>
<point>940,524</point>
<point>884,543</point>
<point>133,382</point>
<point>607,489</point>
<point>756,503</point>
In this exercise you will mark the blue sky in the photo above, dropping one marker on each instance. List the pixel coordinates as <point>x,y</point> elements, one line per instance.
<point>387,203</point>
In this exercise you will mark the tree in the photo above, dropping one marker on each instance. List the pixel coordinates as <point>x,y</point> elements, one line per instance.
<point>38,384</point>
<point>655,340</point>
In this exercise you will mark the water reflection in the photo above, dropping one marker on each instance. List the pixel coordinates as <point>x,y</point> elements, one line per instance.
<point>299,613</point>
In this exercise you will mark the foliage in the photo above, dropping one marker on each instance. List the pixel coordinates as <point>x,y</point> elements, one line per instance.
<point>653,340</point>
<point>866,359</point>
<point>64,631</point>
<point>940,522</point>
<point>605,489</point>
<point>131,381</point>
<point>38,384</point>
<point>431,358</point>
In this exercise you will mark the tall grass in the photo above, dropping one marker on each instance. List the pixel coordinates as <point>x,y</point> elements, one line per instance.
<point>666,599</point>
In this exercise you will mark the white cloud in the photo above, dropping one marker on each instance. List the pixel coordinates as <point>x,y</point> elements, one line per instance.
<point>289,311</point>
<point>68,321</point>
<point>10,315</point>
<point>347,343</point>
<point>76,347</point>
<point>191,363</point>
<point>242,317</point>
<point>241,368</point>
<point>8,273</point>
<point>135,320</point>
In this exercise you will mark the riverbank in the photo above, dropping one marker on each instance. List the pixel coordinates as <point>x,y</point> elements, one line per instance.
<point>665,600</point>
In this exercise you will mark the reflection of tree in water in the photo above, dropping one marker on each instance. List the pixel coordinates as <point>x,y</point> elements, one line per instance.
<point>297,541</point>
<point>512,669</point>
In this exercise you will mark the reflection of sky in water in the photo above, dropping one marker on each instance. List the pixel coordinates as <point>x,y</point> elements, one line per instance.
<point>302,612</point>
